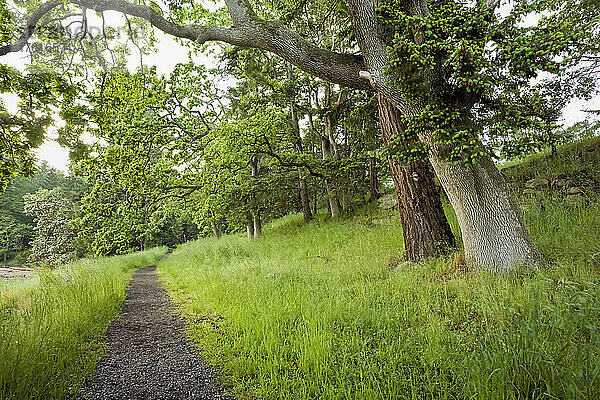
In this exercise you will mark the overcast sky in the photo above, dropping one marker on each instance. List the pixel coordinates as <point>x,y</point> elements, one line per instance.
<point>167,55</point>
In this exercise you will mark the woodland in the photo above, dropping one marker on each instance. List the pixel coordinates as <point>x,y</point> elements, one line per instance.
<point>358,173</point>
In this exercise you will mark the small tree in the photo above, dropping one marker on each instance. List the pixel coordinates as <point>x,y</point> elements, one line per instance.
<point>53,243</point>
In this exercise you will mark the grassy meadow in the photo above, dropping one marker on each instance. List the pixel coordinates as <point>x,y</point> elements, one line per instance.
<point>328,311</point>
<point>51,327</point>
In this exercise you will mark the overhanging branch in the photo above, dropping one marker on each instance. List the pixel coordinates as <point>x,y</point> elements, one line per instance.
<point>248,31</point>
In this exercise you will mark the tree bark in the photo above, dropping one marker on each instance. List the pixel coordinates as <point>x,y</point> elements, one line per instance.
<point>302,187</point>
<point>328,150</point>
<point>254,218</point>
<point>304,200</point>
<point>250,228</point>
<point>346,197</point>
<point>424,225</point>
<point>257,223</point>
<point>332,197</point>
<point>373,180</point>
<point>493,232</point>
<point>334,203</point>
<point>479,195</point>
<point>216,229</point>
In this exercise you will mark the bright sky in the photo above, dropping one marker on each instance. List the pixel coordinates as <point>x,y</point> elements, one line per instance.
<point>168,54</point>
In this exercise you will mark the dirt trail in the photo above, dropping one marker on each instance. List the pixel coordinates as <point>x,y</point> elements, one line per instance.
<point>149,356</point>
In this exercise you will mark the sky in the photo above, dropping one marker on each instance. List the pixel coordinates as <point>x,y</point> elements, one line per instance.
<point>168,54</point>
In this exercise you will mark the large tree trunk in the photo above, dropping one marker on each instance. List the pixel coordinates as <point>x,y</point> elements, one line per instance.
<point>424,225</point>
<point>493,233</point>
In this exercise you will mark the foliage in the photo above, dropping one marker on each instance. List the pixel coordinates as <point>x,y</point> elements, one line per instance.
<point>173,148</point>
<point>330,132</point>
<point>13,235</point>
<point>53,242</point>
<point>130,169</point>
<point>19,228</point>
<point>481,72</point>
<point>51,327</point>
<point>38,93</point>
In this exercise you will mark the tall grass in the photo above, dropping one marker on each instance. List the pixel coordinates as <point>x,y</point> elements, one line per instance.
<point>51,326</point>
<point>325,311</point>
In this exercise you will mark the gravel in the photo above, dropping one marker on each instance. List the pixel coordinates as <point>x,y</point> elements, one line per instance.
<point>149,355</point>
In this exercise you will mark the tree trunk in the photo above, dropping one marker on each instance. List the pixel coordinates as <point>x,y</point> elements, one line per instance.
<point>216,229</point>
<point>334,203</point>
<point>493,233</point>
<point>373,180</point>
<point>346,197</point>
<point>332,198</point>
<point>254,227</point>
<point>304,200</point>
<point>424,225</point>
<point>250,229</point>
<point>329,150</point>
<point>257,225</point>
<point>216,225</point>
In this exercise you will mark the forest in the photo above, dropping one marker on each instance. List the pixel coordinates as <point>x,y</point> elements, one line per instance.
<point>342,199</point>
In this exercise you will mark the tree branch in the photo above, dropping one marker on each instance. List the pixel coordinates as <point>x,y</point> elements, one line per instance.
<point>32,22</point>
<point>248,31</point>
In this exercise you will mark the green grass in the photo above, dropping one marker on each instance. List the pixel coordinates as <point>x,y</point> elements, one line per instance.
<point>51,327</point>
<point>323,311</point>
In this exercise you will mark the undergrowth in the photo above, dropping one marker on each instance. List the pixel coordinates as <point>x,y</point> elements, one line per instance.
<point>51,326</point>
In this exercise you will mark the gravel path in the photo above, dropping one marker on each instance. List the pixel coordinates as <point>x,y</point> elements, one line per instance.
<point>149,356</point>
